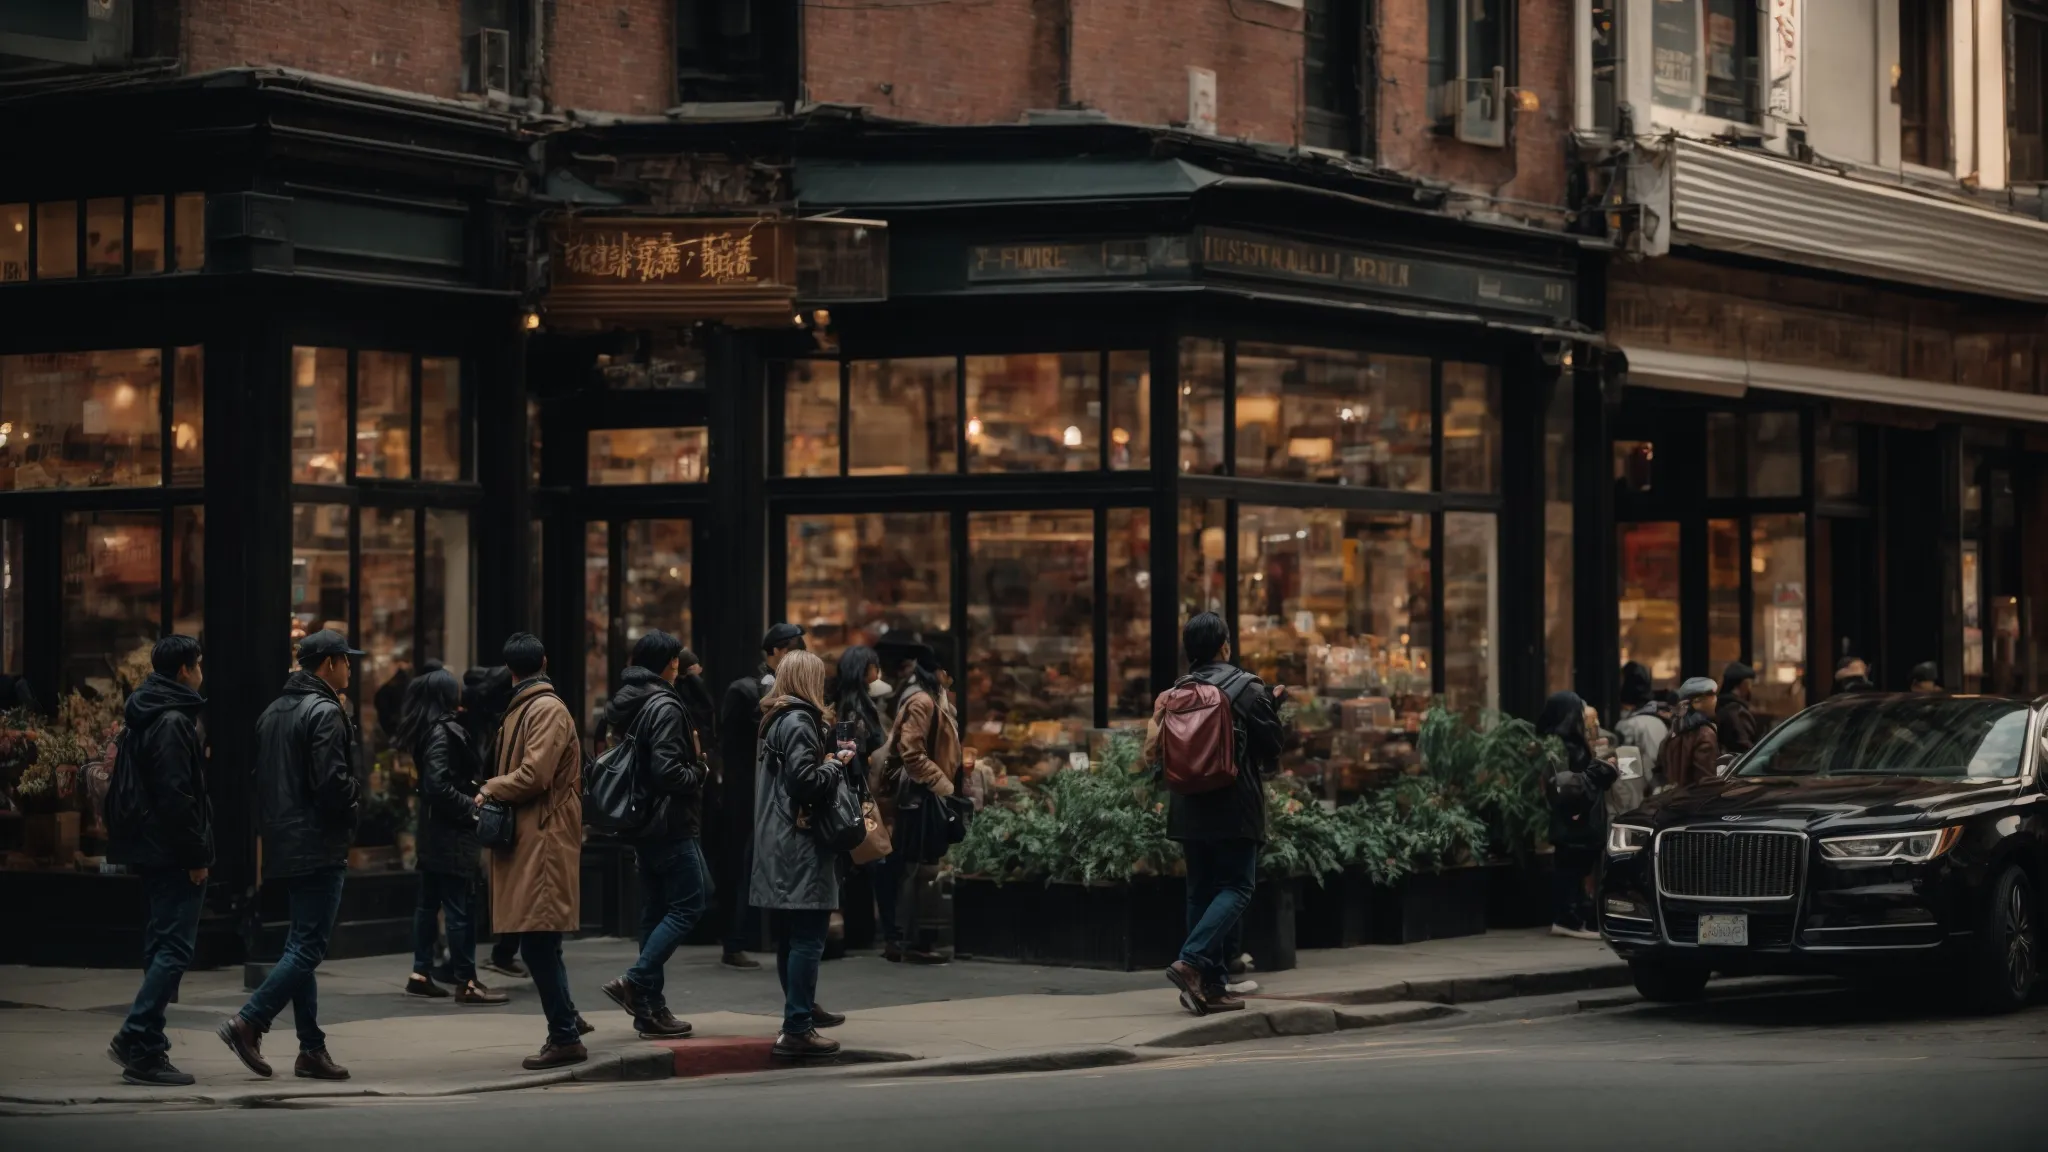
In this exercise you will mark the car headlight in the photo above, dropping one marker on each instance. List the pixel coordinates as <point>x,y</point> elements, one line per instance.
<point>1886,847</point>
<point>1623,839</point>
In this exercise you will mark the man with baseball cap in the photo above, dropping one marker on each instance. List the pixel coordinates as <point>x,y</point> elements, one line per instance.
<point>307,799</point>
<point>739,723</point>
<point>1693,752</point>
<point>1737,725</point>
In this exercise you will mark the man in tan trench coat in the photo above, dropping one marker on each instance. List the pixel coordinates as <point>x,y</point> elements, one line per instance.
<point>538,772</point>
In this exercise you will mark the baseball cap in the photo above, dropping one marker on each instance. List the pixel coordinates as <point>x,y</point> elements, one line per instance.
<point>324,643</point>
<point>1736,673</point>
<point>782,636</point>
<point>1697,686</point>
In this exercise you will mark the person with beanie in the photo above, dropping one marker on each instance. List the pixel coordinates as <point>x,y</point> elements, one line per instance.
<point>1739,727</point>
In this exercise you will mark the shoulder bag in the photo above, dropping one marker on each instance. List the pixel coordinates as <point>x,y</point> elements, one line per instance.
<point>496,821</point>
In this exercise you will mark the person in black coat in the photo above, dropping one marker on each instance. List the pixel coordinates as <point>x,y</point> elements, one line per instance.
<point>160,823</point>
<point>1220,832</point>
<point>673,879</point>
<point>307,799</point>
<point>739,725</point>
<point>1578,824</point>
<point>430,726</point>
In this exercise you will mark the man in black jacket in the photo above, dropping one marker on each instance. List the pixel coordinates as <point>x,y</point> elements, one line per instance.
<point>160,822</point>
<point>739,723</point>
<point>1220,832</point>
<point>307,798</point>
<point>1737,723</point>
<point>648,709</point>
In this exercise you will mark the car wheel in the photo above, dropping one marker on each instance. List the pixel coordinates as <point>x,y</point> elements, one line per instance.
<point>1667,981</point>
<point>2005,956</point>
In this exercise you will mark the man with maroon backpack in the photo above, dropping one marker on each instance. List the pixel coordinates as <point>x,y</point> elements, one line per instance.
<point>1214,735</point>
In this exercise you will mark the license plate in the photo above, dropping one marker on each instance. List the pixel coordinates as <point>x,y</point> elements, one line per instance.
<point>1727,930</point>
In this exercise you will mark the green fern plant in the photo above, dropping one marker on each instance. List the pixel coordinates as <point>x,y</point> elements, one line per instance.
<point>1495,772</point>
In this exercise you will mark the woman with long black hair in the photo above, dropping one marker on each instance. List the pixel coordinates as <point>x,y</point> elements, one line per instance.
<point>431,728</point>
<point>1578,810</point>
<point>853,690</point>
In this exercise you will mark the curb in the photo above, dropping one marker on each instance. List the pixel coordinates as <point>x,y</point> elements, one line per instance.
<point>1473,990</point>
<point>1056,1059</point>
<point>1288,1019</point>
<point>729,1055</point>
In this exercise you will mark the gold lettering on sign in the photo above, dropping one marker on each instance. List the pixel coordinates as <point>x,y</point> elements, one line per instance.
<point>1386,273</point>
<point>728,259</point>
<point>717,257</point>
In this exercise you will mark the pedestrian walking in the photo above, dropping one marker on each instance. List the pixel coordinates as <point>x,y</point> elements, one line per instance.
<point>160,825</point>
<point>796,877</point>
<point>855,690</point>
<point>673,879</point>
<point>1578,826</point>
<point>739,724</point>
<point>1926,677</point>
<point>923,755</point>
<point>307,801</point>
<point>430,726</point>
<point>1693,753</point>
<point>1852,674</point>
<point>1230,734</point>
<point>535,887</point>
<point>1734,722</point>
<point>1642,723</point>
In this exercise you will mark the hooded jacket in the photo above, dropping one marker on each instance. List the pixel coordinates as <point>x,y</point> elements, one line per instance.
<point>1693,752</point>
<point>671,754</point>
<point>165,816</point>
<point>307,794</point>
<point>1577,828</point>
<point>791,868</point>
<point>449,771</point>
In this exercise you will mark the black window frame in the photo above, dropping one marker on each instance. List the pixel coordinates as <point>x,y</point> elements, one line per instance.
<point>1338,75</point>
<point>79,206</point>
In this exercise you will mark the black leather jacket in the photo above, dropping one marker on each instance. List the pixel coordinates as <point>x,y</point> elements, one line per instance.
<point>669,754</point>
<point>791,868</point>
<point>307,794</point>
<point>449,769</point>
<point>171,825</point>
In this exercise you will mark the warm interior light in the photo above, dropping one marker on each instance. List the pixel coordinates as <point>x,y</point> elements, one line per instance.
<point>822,317</point>
<point>798,319</point>
<point>124,396</point>
<point>532,321</point>
<point>974,427</point>
<point>1119,436</point>
<point>1072,436</point>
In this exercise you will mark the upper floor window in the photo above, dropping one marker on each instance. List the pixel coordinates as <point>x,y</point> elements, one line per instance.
<point>103,236</point>
<point>1705,57</point>
<point>2027,93</point>
<point>409,421</point>
<point>1333,75</point>
<point>735,50</point>
<point>101,420</point>
<point>1922,83</point>
<point>1471,66</point>
<point>493,47</point>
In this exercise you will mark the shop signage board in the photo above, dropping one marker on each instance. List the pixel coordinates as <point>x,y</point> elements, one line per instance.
<point>1228,253</point>
<point>736,269</point>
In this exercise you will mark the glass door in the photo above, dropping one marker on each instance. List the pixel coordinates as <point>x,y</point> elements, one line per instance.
<point>637,578</point>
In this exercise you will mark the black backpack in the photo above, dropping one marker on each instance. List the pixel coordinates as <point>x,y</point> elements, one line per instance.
<point>617,797</point>
<point>127,803</point>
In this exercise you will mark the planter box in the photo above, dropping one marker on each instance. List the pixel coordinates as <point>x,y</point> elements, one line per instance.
<point>1430,906</point>
<point>1336,913</point>
<point>1518,893</point>
<point>1122,927</point>
<point>51,836</point>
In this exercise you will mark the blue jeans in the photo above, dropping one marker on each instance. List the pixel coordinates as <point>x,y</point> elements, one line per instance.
<point>672,887</point>
<point>1221,874</point>
<point>315,900</point>
<point>542,952</point>
<point>439,892</point>
<point>169,937</point>
<point>799,949</point>
<point>1569,906</point>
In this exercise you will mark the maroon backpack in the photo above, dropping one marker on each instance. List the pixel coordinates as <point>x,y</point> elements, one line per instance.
<point>1197,737</point>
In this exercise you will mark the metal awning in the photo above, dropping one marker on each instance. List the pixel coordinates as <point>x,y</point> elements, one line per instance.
<point>1727,376</point>
<point>1757,204</point>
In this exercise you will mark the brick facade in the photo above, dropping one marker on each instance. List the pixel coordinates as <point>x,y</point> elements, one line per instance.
<point>612,55</point>
<point>411,44</point>
<point>938,63</point>
<point>1131,61</point>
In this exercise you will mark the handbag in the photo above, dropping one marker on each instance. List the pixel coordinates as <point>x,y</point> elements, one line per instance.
<point>926,824</point>
<point>496,826</point>
<point>877,843</point>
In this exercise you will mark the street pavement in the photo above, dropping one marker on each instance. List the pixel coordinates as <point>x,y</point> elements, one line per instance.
<point>1805,1069</point>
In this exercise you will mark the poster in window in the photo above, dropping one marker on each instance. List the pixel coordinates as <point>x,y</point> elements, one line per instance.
<point>1675,41</point>
<point>1788,624</point>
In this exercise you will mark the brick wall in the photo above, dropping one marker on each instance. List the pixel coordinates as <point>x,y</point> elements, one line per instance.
<point>1131,59</point>
<point>410,44</point>
<point>612,55</point>
<point>1532,167</point>
<point>982,63</point>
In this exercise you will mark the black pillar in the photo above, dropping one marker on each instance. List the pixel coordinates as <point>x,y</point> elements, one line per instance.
<point>505,520</point>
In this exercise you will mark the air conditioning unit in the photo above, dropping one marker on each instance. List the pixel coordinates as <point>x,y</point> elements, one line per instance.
<point>1479,109</point>
<point>491,53</point>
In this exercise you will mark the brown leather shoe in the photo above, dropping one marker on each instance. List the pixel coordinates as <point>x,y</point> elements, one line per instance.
<point>246,1042</point>
<point>584,1027</point>
<point>418,985</point>
<point>555,1056</point>
<point>809,1046</point>
<point>661,1024</point>
<point>622,993</point>
<point>823,1019</point>
<point>475,994</point>
<point>1183,976</point>
<point>1221,1001</point>
<point>318,1065</point>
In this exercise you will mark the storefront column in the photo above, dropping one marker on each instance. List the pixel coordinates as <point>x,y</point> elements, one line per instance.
<point>1526,385</point>
<point>731,605</point>
<point>1596,642</point>
<point>504,531</point>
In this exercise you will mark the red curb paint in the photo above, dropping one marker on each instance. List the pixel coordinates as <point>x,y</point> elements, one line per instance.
<point>721,1055</point>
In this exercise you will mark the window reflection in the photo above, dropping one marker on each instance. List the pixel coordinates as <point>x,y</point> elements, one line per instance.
<point>447,621</point>
<point>81,420</point>
<point>106,236</point>
<point>383,415</point>
<point>113,593</point>
<point>1129,572</point>
<point>1471,612</point>
<point>1333,416</point>
<point>597,621</point>
<point>854,578</point>
<point>1471,428</point>
<point>1648,611</point>
<point>1774,458</point>
<point>1724,594</point>
<point>1201,407</point>
<point>657,583</point>
<point>1031,625</point>
<point>56,239</point>
<point>385,608</point>
<point>903,415</point>
<point>1034,413</point>
<point>188,571</point>
<point>146,239</point>
<point>1336,605</point>
<point>441,423</point>
<point>647,455</point>
<point>190,210</point>
<point>321,592</point>
<point>1204,569</point>
<point>1559,651</point>
<point>1777,564</point>
<point>13,242</point>
<point>188,417</point>
<point>1130,410</point>
<point>319,414</point>
<point>1838,463</point>
<point>810,418</point>
<point>1724,454</point>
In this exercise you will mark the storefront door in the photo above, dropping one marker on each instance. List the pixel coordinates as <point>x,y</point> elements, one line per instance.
<point>637,577</point>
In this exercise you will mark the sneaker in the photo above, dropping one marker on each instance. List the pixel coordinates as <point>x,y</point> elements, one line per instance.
<point>741,961</point>
<point>424,987</point>
<point>622,993</point>
<point>808,1046</point>
<point>1184,977</point>
<point>823,1019</point>
<point>246,1042</point>
<point>661,1024</point>
<point>1240,964</point>
<point>474,994</point>
<point>555,1056</point>
<point>1241,987</point>
<point>1573,933</point>
<point>155,1071</point>
<point>318,1065</point>
<point>508,967</point>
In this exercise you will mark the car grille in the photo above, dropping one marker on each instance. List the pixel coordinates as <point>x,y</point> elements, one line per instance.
<point>1765,931</point>
<point>1729,865</point>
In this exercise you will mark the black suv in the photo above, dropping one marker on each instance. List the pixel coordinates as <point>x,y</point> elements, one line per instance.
<point>1867,833</point>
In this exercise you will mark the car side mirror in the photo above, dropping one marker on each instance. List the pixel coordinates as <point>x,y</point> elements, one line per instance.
<point>1725,764</point>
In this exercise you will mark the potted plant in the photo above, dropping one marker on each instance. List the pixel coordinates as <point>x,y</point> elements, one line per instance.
<point>1495,770</point>
<point>1420,847</point>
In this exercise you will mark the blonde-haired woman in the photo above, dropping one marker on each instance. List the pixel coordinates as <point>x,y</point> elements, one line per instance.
<point>795,877</point>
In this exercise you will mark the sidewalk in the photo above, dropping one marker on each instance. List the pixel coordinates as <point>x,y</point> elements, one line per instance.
<point>964,1017</point>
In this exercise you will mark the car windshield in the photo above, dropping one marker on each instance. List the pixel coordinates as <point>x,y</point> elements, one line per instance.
<point>1929,736</point>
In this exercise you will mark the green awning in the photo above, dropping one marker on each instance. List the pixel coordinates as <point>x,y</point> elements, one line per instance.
<point>925,184</point>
